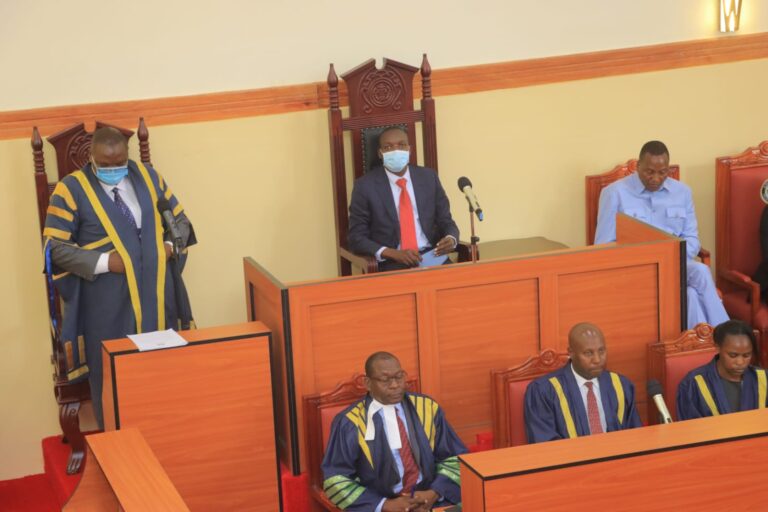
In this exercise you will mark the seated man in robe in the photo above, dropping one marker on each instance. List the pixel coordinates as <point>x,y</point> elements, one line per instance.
<point>105,243</point>
<point>581,398</point>
<point>665,203</point>
<point>393,450</point>
<point>761,274</point>
<point>728,383</point>
<point>400,228</point>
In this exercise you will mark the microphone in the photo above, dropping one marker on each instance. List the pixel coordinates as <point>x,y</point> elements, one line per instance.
<point>655,392</point>
<point>164,207</point>
<point>466,187</point>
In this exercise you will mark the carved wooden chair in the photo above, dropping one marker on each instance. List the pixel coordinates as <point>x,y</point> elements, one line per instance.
<point>594,184</point>
<point>378,99</point>
<point>319,411</point>
<point>738,208</point>
<point>508,394</point>
<point>73,150</point>
<point>671,360</point>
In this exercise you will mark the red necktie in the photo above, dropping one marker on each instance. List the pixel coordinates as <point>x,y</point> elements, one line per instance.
<point>410,469</point>
<point>592,412</point>
<point>407,226</point>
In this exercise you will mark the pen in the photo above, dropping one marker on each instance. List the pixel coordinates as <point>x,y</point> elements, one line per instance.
<point>413,491</point>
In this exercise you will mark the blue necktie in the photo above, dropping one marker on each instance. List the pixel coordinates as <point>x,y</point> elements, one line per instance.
<point>124,209</point>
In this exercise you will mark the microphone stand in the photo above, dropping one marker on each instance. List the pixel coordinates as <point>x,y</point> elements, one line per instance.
<point>473,239</point>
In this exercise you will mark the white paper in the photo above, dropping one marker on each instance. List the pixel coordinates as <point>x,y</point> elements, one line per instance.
<point>157,339</point>
<point>428,259</point>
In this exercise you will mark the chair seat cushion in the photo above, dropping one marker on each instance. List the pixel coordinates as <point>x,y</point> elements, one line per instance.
<point>516,418</point>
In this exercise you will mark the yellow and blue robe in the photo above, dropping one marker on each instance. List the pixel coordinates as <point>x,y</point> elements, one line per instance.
<point>701,394</point>
<point>554,408</point>
<point>359,474</point>
<point>110,305</point>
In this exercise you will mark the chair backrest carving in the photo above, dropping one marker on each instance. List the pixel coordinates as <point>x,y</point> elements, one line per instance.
<point>669,361</point>
<point>595,183</point>
<point>379,98</point>
<point>508,393</point>
<point>739,208</point>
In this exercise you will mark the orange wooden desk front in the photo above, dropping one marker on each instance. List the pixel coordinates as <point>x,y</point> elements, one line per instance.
<point>206,411</point>
<point>700,465</point>
<point>451,325</point>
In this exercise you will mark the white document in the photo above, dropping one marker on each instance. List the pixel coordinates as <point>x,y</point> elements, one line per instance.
<point>428,259</point>
<point>157,339</point>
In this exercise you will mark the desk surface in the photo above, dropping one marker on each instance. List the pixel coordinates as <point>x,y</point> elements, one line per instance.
<point>517,246</point>
<point>616,445</point>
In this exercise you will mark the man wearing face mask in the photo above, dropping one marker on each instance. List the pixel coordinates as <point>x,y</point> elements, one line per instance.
<point>105,247</point>
<point>581,398</point>
<point>399,212</point>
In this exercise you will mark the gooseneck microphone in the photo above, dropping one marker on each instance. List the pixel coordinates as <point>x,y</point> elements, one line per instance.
<point>466,187</point>
<point>655,391</point>
<point>164,207</point>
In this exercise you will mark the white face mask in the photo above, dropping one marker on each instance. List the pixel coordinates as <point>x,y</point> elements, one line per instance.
<point>396,160</point>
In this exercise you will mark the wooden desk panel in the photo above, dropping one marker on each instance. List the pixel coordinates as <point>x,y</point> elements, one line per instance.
<point>452,324</point>
<point>206,410</point>
<point>706,464</point>
<point>123,473</point>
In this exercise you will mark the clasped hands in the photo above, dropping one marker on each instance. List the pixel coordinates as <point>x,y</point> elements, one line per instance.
<point>422,501</point>
<point>412,258</point>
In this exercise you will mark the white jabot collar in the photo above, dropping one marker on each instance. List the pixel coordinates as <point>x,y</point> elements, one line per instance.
<point>389,414</point>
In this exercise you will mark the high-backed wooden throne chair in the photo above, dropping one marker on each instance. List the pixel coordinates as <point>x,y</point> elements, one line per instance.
<point>319,411</point>
<point>738,208</point>
<point>508,395</point>
<point>73,150</point>
<point>595,183</point>
<point>378,99</point>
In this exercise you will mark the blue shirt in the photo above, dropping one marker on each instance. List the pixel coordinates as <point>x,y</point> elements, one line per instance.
<point>670,209</point>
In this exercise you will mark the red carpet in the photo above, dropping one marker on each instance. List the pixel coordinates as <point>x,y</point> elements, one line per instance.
<point>28,494</point>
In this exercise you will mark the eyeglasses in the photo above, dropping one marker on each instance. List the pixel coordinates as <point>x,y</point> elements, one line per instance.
<point>399,377</point>
<point>386,148</point>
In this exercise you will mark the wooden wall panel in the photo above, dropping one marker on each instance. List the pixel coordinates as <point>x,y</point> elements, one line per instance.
<point>344,334</point>
<point>456,323</point>
<point>629,321</point>
<point>481,327</point>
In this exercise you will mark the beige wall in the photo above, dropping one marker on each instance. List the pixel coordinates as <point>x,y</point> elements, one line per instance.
<point>261,187</point>
<point>146,49</point>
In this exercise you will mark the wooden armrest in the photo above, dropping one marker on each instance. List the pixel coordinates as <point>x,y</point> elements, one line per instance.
<point>367,264</point>
<point>705,257</point>
<point>746,284</point>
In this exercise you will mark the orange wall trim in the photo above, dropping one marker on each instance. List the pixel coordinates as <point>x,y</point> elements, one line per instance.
<point>460,80</point>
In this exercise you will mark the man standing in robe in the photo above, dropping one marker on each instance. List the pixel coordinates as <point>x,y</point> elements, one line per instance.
<point>400,212</point>
<point>105,247</point>
<point>393,451</point>
<point>664,203</point>
<point>729,383</point>
<point>581,398</point>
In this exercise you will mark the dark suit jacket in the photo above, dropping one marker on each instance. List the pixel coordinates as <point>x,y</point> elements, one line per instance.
<point>373,221</point>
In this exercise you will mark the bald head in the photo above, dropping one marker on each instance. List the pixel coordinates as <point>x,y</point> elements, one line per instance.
<point>586,348</point>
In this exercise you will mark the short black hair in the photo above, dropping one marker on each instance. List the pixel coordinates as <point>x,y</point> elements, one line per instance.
<point>733,328</point>
<point>108,136</point>
<point>653,147</point>
<point>376,356</point>
<point>392,128</point>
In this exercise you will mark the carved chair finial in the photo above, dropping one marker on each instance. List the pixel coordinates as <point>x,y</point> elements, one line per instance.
<point>333,87</point>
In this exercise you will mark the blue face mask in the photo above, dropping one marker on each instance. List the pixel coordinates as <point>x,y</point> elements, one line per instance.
<point>112,175</point>
<point>395,161</point>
